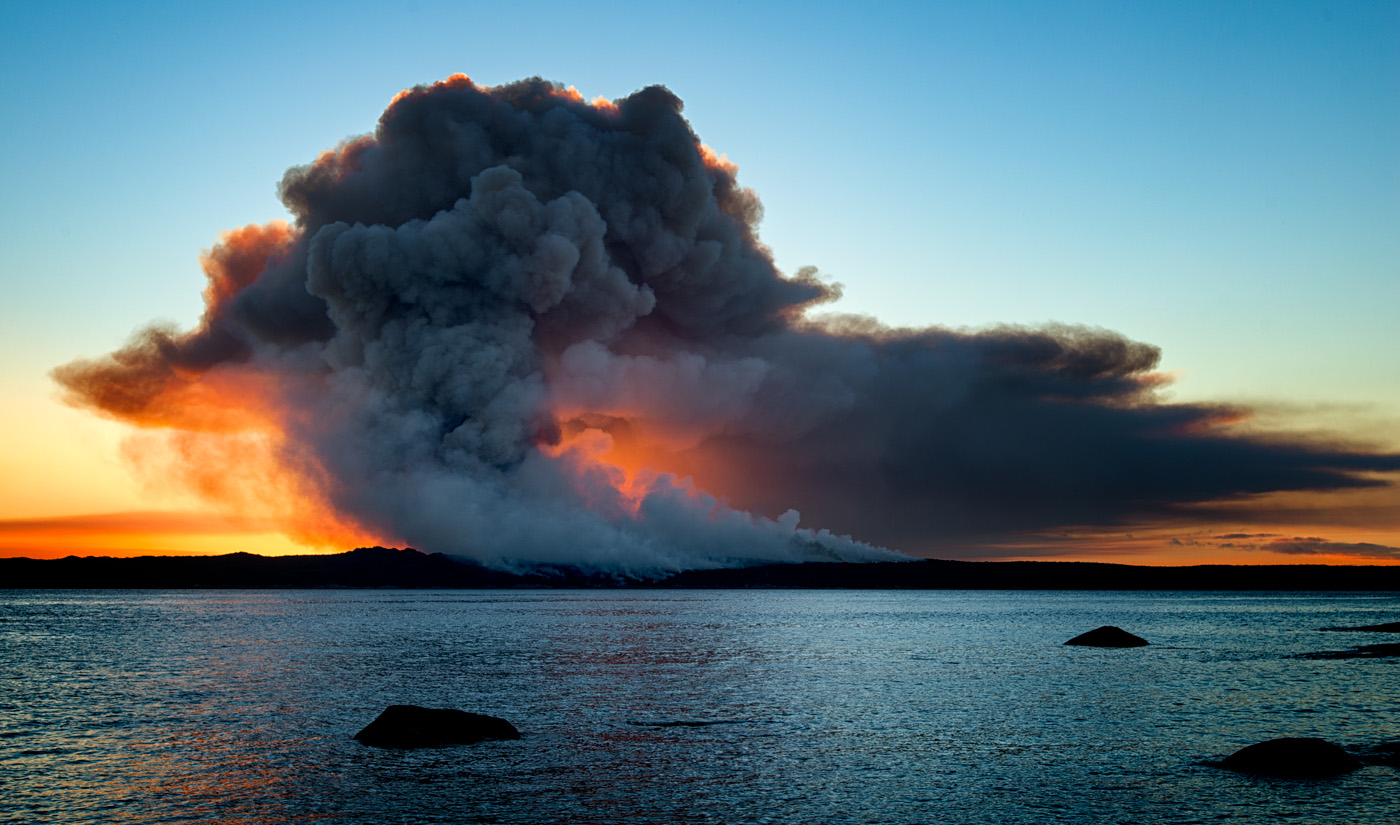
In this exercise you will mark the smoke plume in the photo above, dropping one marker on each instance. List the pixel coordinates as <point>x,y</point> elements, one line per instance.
<point>523,327</point>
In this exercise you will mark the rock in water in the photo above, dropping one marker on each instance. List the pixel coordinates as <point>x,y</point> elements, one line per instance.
<point>409,726</point>
<point>1296,757</point>
<point>1108,636</point>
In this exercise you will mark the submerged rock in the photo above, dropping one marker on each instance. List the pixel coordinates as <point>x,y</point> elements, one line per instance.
<point>1108,636</point>
<point>409,726</point>
<point>1292,757</point>
<point>1382,753</point>
<point>1388,627</point>
<point>684,723</point>
<point>1380,651</point>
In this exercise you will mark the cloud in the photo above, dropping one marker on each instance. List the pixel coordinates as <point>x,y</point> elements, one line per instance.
<point>1315,546</point>
<point>1291,546</point>
<point>514,325</point>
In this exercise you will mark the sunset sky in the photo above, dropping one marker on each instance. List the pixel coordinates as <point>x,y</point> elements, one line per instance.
<point>1219,180</point>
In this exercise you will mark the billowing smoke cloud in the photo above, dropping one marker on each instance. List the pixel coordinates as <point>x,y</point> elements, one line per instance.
<point>519,326</point>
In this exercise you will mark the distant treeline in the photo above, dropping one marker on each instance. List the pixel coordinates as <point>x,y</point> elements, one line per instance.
<point>381,567</point>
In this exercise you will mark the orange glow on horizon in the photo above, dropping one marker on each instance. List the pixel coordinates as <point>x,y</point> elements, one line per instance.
<point>1176,543</point>
<point>147,533</point>
<point>250,476</point>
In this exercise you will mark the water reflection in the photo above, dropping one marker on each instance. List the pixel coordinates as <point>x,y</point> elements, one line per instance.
<point>227,707</point>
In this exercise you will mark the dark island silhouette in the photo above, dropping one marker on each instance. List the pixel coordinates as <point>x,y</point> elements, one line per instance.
<point>379,567</point>
<point>411,726</point>
<point>1107,636</point>
<point>1296,757</point>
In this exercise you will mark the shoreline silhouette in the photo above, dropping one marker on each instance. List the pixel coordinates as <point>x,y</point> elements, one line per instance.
<point>379,567</point>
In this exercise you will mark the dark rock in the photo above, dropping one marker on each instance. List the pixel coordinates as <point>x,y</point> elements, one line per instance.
<point>409,726</point>
<point>1294,757</point>
<point>1381,651</point>
<point>685,723</point>
<point>1389,627</point>
<point>1108,636</point>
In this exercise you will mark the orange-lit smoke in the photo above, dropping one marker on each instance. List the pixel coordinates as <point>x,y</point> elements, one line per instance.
<point>529,328</point>
<point>615,465</point>
<point>237,260</point>
<point>460,81</point>
<point>608,479</point>
<point>452,81</point>
<point>253,474</point>
<point>217,430</point>
<point>716,161</point>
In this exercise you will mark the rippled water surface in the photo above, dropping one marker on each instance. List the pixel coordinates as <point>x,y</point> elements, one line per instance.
<point>819,706</point>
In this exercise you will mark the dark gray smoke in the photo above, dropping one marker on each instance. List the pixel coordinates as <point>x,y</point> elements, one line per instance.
<point>500,285</point>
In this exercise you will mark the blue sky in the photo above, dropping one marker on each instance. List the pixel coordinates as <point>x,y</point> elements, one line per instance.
<point>1219,179</point>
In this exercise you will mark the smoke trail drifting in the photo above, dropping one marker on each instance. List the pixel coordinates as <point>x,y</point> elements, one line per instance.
<point>515,325</point>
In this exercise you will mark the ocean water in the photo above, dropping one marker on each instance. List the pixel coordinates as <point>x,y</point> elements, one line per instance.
<point>817,706</point>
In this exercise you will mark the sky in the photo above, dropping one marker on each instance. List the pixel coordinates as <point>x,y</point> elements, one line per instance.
<point>1221,181</point>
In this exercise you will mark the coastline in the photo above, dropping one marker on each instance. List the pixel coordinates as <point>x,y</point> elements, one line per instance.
<point>378,567</point>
